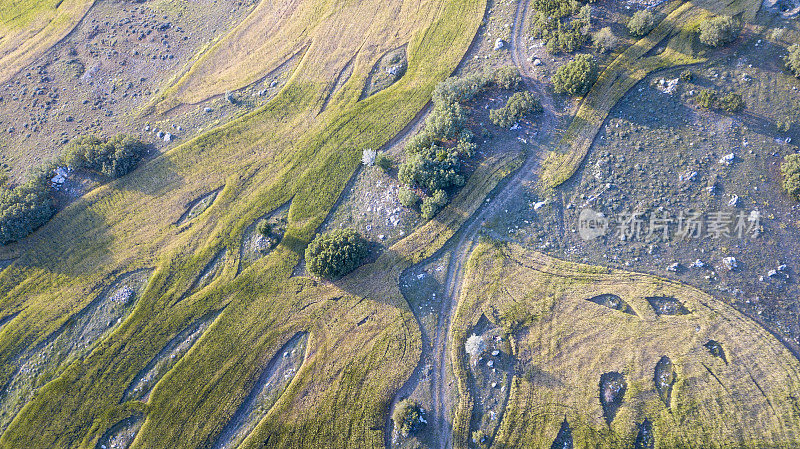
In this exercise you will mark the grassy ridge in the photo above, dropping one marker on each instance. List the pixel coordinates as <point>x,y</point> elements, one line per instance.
<point>678,32</point>
<point>28,28</point>
<point>275,154</point>
<point>744,402</point>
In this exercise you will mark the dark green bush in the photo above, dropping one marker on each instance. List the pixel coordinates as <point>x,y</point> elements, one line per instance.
<point>446,120</point>
<point>719,31</point>
<point>383,162</point>
<point>793,60</point>
<point>458,89</point>
<point>730,102</point>
<point>432,169</point>
<point>24,209</point>
<point>562,24</point>
<point>112,157</point>
<point>336,253</point>
<point>520,104</point>
<point>407,416</point>
<point>576,77</point>
<point>433,204</point>
<point>641,23</point>
<point>407,197</point>
<point>790,169</point>
<point>264,228</point>
<point>508,78</point>
<point>687,76</point>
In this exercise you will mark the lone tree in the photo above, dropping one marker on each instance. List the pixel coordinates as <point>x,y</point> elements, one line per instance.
<point>790,169</point>
<point>641,23</point>
<point>336,253</point>
<point>793,60</point>
<point>720,30</point>
<point>407,416</point>
<point>576,76</point>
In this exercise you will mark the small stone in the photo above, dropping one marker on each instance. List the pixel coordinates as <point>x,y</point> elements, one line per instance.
<point>730,263</point>
<point>698,264</point>
<point>495,353</point>
<point>727,159</point>
<point>772,273</point>
<point>674,267</point>
<point>207,110</point>
<point>167,137</point>
<point>733,201</point>
<point>537,62</point>
<point>499,44</point>
<point>490,363</point>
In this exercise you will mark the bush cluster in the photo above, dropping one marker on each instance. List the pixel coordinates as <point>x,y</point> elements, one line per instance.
<point>730,102</point>
<point>793,60</point>
<point>562,24</point>
<point>407,416</point>
<point>790,170</point>
<point>642,22</point>
<point>23,209</point>
<point>508,78</point>
<point>433,204</point>
<point>26,207</point>
<point>112,157</point>
<point>336,253</point>
<point>719,31</point>
<point>575,77</point>
<point>520,104</point>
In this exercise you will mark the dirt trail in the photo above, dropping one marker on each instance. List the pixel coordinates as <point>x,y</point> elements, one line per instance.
<point>455,270</point>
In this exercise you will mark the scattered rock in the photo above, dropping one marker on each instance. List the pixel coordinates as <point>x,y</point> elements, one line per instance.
<point>698,264</point>
<point>675,267</point>
<point>728,159</point>
<point>730,263</point>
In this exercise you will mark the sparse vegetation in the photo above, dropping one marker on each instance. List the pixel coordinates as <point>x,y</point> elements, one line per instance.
<point>112,157</point>
<point>383,162</point>
<point>793,60</point>
<point>576,77</point>
<point>407,416</point>
<point>790,170</point>
<point>642,22</point>
<point>336,253</point>
<point>519,105</point>
<point>719,31</point>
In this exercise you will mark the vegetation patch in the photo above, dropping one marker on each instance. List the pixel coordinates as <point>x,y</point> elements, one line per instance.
<point>665,378</point>
<point>719,31</point>
<point>519,105</point>
<point>790,170</point>
<point>408,417</point>
<point>612,302</point>
<point>112,157</point>
<point>390,68</point>
<point>122,434</point>
<point>576,77</point>
<point>336,253</point>
<point>612,393</point>
<point>562,24</point>
<point>664,305</point>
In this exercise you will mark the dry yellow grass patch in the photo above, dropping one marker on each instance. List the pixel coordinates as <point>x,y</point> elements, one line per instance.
<point>749,401</point>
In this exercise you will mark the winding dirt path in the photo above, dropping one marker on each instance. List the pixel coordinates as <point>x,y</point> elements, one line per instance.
<point>467,239</point>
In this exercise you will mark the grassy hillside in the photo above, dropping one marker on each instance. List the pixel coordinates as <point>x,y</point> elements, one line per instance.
<point>29,27</point>
<point>282,152</point>
<point>677,33</point>
<point>743,395</point>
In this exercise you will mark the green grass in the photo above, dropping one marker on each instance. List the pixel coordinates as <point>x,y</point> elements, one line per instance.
<point>677,31</point>
<point>278,153</point>
<point>571,341</point>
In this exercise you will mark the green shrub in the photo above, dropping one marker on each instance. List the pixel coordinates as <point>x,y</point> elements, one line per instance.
<point>719,31</point>
<point>520,104</point>
<point>508,78</point>
<point>784,125</point>
<point>445,121</point>
<point>458,89</point>
<point>687,76</point>
<point>24,209</point>
<point>383,162</point>
<point>605,40</point>
<point>793,60</point>
<point>433,204</point>
<point>790,169</point>
<point>112,157</point>
<point>264,228</point>
<point>641,23</point>
<point>407,416</point>
<point>730,102</point>
<point>407,197</point>
<point>336,253</point>
<point>576,76</point>
<point>433,169</point>
<point>562,24</point>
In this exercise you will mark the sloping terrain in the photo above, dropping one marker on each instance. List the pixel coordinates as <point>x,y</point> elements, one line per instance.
<point>264,159</point>
<point>699,373</point>
<point>29,27</point>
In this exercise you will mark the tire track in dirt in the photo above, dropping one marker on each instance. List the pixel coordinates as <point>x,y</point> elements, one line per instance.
<point>455,270</point>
